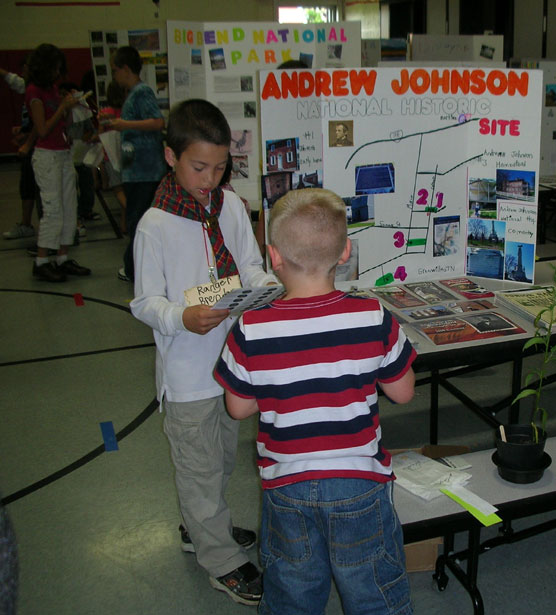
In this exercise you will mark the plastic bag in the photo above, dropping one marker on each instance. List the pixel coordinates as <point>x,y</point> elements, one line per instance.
<point>94,155</point>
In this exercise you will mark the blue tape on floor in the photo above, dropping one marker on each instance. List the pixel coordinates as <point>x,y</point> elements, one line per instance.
<point>109,436</point>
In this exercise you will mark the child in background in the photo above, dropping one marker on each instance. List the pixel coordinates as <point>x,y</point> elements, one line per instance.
<point>141,125</point>
<point>115,97</point>
<point>195,233</point>
<point>311,363</point>
<point>24,139</point>
<point>53,165</point>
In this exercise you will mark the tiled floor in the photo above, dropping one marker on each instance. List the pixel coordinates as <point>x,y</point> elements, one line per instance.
<point>97,531</point>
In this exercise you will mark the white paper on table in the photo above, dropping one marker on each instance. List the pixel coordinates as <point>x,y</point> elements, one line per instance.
<point>473,499</point>
<point>425,477</point>
<point>111,141</point>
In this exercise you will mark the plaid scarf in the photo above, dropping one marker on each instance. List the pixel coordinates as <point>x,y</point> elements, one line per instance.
<point>171,197</point>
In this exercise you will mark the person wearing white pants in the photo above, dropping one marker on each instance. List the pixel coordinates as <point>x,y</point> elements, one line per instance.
<point>53,165</point>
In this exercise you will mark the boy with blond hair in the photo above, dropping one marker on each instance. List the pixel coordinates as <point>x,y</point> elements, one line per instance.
<point>310,363</point>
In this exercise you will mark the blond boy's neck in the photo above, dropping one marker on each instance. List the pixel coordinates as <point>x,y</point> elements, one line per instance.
<point>303,286</point>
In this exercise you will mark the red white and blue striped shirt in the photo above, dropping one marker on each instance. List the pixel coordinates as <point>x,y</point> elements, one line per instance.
<point>313,365</point>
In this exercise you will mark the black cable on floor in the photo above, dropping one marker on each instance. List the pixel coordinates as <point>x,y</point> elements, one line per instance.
<point>129,428</point>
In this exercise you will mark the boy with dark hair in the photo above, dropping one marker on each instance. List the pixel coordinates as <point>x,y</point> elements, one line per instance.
<point>311,363</point>
<point>141,124</point>
<point>195,233</point>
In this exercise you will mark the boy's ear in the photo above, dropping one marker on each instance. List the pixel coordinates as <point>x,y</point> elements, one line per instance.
<point>275,257</point>
<point>346,253</point>
<point>170,156</point>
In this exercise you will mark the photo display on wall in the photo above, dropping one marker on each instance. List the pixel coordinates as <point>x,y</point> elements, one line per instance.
<point>151,45</point>
<point>438,167</point>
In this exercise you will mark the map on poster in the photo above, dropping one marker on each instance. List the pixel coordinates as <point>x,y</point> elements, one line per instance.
<point>438,167</point>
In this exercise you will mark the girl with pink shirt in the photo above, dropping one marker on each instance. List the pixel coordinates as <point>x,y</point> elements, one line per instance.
<point>53,165</point>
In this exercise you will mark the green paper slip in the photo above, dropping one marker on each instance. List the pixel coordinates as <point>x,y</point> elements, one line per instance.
<point>485,519</point>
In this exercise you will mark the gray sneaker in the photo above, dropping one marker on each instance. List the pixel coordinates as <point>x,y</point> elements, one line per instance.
<point>19,231</point>
<point>243,585</point>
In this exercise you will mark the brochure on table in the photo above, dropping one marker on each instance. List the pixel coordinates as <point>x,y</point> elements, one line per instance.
<point>151,45</point>
<point>220,61</point>
<point>438,166</point>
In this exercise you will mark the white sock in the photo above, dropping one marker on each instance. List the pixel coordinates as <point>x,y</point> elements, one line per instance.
<point>61,258</point>
<point>41,260</point>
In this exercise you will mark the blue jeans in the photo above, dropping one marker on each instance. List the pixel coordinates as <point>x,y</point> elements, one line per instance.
<point>340,528</point>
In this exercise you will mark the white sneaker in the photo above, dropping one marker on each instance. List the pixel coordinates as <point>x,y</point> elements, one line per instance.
<point>122,275</point>
<point>19,231</point>
<point>82,230</point>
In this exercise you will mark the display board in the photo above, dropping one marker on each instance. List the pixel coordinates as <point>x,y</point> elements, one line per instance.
<point>151,45</point>
<point>438,167</point>
<point>455,47</point>
<point>220,62</point>
<point>548,132</point>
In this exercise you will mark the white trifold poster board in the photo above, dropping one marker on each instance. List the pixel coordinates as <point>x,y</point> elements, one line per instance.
<point>548,132</point>
<point>456,47</point>
<point>438,166</point>
<point>220,62</point>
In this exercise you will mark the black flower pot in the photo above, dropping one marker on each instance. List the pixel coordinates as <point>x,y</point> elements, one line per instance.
<point>520,459</point>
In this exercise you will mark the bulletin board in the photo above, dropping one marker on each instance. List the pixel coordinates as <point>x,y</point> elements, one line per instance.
<point>151,45</point>
<point>438,167</point>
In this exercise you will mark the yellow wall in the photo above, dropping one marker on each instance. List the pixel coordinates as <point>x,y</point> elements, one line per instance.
<point>26,27</point>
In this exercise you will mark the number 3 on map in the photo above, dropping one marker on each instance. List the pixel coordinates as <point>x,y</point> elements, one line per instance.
<point>399,239</point>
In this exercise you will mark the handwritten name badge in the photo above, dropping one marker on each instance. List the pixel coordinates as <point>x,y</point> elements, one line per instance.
<point>211,293</point>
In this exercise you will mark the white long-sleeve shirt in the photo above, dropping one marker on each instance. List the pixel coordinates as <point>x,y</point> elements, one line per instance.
<point>170,257</point>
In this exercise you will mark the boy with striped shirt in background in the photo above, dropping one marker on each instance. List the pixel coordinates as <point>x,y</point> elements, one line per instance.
<point>310,363</point>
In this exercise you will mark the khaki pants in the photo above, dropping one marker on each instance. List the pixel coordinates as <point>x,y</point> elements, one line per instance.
<point>55,176</point>
<point>203,443</point>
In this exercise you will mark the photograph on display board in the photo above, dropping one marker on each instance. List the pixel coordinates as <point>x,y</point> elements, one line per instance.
<point>310,179</point>
<point>482,198</point>
<point>519,262</point>
<point>515,185</point>
<point>196,57</point>
<point>550,95</point>
<point>307,59</point>
<point>340,134</point>
<point>240,167</point>
<point>335,52</point>
<point>282,155</point>
<point>446,235</point>
<point>242,142</point>
<point>246,82</point>
<point>217,59</point>
<point>275,185</point>
<point>360,210</point>
<point>374,179</point>
<point>144,40</point>
<point>250,109</point>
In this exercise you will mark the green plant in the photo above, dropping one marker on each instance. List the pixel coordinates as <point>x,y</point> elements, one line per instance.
<point>543,333</point>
